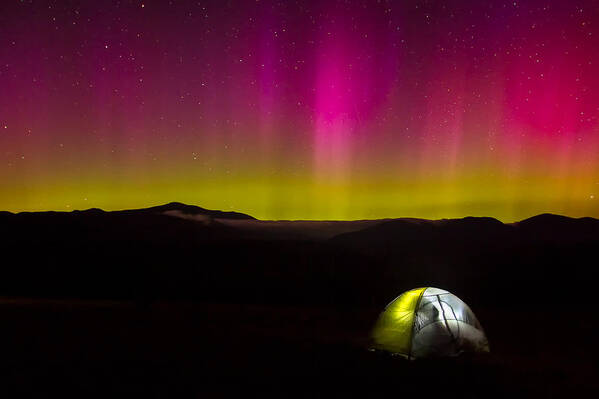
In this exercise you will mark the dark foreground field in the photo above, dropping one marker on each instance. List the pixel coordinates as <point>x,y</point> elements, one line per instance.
<point>225,350</point>
<point>180,301</point>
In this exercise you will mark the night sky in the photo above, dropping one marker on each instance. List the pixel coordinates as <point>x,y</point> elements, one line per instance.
<point>302,109</point>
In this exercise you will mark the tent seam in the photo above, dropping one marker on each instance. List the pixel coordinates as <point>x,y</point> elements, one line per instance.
<point>414,322</point>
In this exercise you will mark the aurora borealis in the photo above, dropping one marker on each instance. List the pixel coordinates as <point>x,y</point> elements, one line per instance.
<point>302,109</point>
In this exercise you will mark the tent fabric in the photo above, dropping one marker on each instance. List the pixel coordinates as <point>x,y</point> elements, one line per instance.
<point>426,322</point>
<point>396,323</point>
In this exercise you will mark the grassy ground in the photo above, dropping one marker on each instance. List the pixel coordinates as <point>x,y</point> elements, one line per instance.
<point>224,350</point>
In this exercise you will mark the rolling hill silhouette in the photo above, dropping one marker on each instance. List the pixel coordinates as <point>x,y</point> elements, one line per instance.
<point>187,252</point>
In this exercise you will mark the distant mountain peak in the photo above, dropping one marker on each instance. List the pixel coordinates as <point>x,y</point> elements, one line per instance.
<point>194,210</point>
<point>553,219</point>
<point>546,217</point>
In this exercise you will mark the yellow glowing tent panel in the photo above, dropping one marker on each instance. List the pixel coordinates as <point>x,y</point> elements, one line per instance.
<point>427,322</point>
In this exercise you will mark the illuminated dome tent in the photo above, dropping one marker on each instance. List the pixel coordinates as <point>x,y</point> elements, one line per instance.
<point>426,322</point>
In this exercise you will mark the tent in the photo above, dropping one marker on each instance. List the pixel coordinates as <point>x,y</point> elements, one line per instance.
<point>426,322</point>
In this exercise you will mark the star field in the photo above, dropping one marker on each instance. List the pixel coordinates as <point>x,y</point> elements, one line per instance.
<point>302,109</point>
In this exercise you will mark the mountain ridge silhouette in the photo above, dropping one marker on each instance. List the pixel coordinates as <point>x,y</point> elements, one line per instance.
<point>176,251</point>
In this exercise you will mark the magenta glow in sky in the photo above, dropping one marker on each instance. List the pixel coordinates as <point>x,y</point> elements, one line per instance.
<point>302,109</point>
